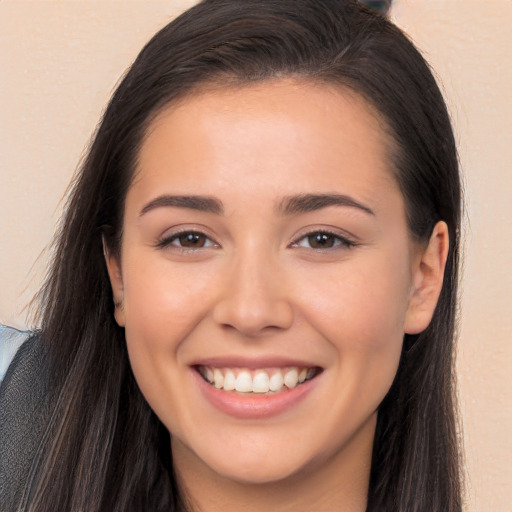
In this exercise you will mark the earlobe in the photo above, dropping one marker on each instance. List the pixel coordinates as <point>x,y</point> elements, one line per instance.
<point>427,280</point>
<point>116,282</point>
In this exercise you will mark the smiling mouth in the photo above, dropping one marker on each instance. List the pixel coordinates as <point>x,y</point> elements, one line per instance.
<point>258,381</point>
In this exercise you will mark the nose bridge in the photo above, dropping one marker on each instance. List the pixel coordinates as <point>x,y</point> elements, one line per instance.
<point>253,298</point>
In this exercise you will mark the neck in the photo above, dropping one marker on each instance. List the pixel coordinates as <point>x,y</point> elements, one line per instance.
<point>339,483</point>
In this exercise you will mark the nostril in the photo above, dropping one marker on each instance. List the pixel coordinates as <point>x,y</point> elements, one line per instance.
<point>253,318</point>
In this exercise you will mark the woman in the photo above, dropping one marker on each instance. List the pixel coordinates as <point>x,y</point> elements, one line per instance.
<point>252,301</point>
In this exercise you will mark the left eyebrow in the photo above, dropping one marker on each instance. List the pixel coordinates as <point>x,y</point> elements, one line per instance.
<point>305,203</point>
<point>200,203</point>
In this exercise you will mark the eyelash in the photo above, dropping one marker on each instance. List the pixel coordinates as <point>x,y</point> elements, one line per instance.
<point>168,240</point>
<point>340,242</point>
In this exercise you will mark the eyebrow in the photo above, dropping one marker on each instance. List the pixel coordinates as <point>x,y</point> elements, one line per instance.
<point>305,203</point>
<point>200,203</point>
<point>290,205</point>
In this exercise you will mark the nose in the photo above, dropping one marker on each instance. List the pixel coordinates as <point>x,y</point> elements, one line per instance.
<point>254,299</point>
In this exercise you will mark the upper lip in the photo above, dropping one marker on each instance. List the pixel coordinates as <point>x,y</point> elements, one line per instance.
<point>253,363</point>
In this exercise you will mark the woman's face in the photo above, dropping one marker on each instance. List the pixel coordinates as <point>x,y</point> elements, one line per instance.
<point>265,248</point>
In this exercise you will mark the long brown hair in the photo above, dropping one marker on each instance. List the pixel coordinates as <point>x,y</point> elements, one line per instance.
<point>104,449</point>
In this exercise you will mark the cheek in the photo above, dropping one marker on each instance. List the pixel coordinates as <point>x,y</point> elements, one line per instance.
<point>359,308</point>
<point>163,303</point>
<point>360,305</point>
<point>161,298</point>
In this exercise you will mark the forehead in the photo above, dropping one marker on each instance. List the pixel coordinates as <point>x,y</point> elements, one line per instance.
<point>282,136</point>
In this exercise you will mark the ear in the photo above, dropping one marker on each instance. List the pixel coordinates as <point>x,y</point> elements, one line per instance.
<point>116,282</point>
<point>427,280</point>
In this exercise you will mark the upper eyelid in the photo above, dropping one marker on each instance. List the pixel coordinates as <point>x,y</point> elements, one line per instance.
<point>342,235</point>
<point>166,239</point>
<point>179,230</point>
<point>305,232</point>
<point>343,242</point>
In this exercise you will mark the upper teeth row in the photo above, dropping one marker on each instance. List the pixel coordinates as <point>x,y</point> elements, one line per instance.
<point>258,381</point>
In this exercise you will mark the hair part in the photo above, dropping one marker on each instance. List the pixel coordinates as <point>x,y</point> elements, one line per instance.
<point>105,448</point>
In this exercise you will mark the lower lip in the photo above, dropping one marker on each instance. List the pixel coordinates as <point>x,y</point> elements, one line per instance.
<point>254,406</point>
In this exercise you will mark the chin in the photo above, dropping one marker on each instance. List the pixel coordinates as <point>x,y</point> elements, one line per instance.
<point>267,472</point>
<point>241,464</point>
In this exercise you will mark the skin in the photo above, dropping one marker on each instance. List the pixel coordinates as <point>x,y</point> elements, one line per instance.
<point>257,287</point>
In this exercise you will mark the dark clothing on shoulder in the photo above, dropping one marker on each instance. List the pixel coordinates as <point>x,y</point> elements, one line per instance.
<point>24,413</point>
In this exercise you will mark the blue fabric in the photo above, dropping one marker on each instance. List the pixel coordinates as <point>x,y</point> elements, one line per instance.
<point>10,341</point>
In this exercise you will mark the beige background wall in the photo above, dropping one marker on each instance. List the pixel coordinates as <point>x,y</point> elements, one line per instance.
<point>59,62</point>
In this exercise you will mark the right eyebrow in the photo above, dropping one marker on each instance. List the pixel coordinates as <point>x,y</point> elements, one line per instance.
<point>200,203</point>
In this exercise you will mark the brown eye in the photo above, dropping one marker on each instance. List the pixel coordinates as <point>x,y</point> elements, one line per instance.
<point>319,240</point>
<point>322,240</point>
<point>191,240</point>
<point>187,241</point>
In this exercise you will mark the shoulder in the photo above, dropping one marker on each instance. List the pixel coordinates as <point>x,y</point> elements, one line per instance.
<point>11,340</point>
<point>23,413</point>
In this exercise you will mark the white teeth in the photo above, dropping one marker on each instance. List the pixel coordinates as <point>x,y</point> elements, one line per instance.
<point>260,382</point>
<point>276,381</point>
<point>256,381</point>
<point>218,378</point>
<point>208,373</point>
<point>291,378</point>
<point>229,381</point>
<point>243,382</point>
